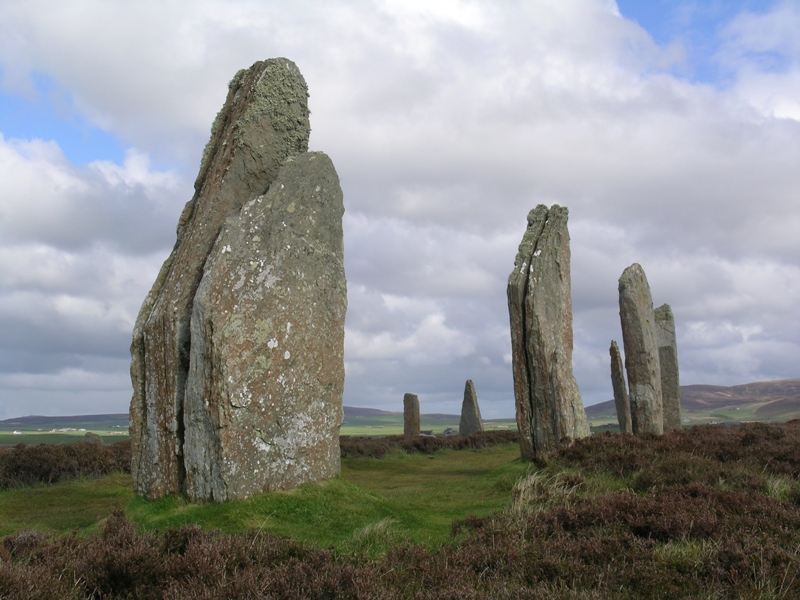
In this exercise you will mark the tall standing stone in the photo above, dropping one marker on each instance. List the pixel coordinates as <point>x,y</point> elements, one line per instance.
<point>548,401</point>
<point>641,351</point>
<point>621,400</point>
<point>410,415</point>
<point>175,358</point>
<point>668,363</point>
<point>471,421</point>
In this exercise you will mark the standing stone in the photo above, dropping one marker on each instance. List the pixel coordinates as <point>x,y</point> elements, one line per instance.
<point>548,401</point>
<point>641,351</point>
<point>620,390</point>
<point>410,415</point>
<point>266,371</point>
<point>93,438</point>
<point>263,122</point>
<point>471,421</point>
<point>668,362</point>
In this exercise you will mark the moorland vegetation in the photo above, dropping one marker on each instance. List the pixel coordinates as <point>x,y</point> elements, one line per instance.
<point>705,512</point>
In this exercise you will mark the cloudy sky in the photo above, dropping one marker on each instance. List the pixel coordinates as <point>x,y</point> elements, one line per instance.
<point>671,130</point>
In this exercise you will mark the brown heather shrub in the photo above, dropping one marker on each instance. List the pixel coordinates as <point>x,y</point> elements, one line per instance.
<point>369,447</point>
<point>50,463</point>
<point>740,454</point>
<point>676,533</point>
<point>689,541</point>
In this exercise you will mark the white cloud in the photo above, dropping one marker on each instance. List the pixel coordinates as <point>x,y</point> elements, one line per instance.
<point>447,122</point>
<point>45,199</point>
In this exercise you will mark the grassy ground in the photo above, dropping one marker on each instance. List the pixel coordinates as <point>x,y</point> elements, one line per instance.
<point>393,424</point>
<point>705,512</point>
<point>373,504</point>
<point>77,505</point>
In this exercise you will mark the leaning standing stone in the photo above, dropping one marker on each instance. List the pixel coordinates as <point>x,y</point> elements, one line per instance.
<point>620,389</point>
<point>641,351</point>
<point>471,421</point>
<point>668,361</point>
<point>410,415</point>
<point>548,401</point>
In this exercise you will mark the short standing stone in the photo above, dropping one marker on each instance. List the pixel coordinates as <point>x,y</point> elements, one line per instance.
<point>471,421</point>
<point>548,401</point>
<point>641,351</point>
<point>93,438</point>
<point>410,415</point>
<point>620,389</point>
<point>668,362</point>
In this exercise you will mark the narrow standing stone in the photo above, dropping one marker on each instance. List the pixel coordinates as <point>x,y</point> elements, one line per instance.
<point>471,421</point>
<point>410,415</point>
<point>668,361</point>
<point>548,401</point>
<point>620,389</point>
<point>641,351</point>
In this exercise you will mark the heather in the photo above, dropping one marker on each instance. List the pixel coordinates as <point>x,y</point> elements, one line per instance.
<point>51,463</point>
<point>709,512</point>
<point>378,447</point>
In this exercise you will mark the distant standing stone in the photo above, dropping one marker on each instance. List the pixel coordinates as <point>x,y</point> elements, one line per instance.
<point>471,421</point>
<point>548,401</point>
<point>410,415</point>
<point>668,361</point>
<point>620,389</point>
<point>93,438</point>
<point>641,351</point>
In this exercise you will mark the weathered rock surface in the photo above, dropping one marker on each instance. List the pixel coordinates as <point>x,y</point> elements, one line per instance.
<point>548,401</point>
<point>263,122</point>
<point>471,421</point>
<point>668,363</point>
<point>621,400</point>
<point>641,351</point>
<point>264,392</point>
<point>410,415</point>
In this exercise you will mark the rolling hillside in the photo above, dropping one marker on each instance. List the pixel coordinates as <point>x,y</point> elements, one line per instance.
<point>759,401</point>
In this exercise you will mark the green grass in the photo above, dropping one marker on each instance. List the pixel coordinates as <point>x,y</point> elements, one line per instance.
<point>61,508</point>
<point>393,424</point>
<point>375,503</point>
<point>9,440</point>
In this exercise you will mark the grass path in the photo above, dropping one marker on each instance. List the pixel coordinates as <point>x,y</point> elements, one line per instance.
<point>376,502</point>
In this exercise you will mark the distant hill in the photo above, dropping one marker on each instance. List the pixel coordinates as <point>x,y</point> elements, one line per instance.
<point>119,419</point>
<point>763,401</point>
<point>357,411</point>
<point>758,401</point>
<point>122,418</point>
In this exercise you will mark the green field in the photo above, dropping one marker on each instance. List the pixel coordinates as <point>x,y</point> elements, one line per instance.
<point>392,424</point>
<point>53,431</point>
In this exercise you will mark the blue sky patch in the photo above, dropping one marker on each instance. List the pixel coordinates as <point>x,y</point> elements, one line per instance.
<point>697,26</point>
<point>52,116</point>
